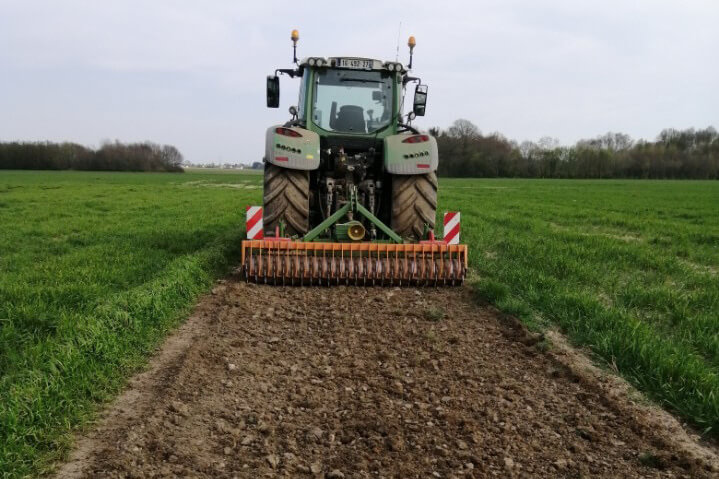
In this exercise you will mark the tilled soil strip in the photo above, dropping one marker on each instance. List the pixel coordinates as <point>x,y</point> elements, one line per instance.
<point>371,382</point>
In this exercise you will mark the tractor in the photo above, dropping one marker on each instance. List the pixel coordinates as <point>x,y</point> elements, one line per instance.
<point>350,186</point>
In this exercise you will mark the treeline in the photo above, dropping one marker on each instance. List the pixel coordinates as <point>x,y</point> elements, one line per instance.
<point>109,157</point>
<point>675,154</point>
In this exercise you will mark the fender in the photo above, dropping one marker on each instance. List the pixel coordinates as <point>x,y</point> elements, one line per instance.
<point>410,154</point>
<point>292,147</point>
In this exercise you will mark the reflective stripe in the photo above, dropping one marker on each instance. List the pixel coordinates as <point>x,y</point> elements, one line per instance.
<point>254,222</point>
<point>451,227</point>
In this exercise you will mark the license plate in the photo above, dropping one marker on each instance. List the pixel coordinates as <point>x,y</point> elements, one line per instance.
<point>356,64</point>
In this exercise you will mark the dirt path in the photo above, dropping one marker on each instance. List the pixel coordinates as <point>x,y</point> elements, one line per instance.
<point>355,382</point>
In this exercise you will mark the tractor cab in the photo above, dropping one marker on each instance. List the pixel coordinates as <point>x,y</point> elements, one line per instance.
<point>354,96</point>
<point>350,95</point>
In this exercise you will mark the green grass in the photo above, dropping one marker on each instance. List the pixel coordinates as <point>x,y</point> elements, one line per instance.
<point>95,268</point>
<point>627,268</point>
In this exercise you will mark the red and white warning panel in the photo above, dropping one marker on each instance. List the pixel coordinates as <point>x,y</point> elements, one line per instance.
<point>254,223</point>
<point>451,227</point>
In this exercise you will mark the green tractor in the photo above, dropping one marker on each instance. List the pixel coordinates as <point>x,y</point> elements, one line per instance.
<point>350,187</point>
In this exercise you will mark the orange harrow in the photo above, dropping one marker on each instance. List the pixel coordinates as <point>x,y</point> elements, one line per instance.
<point>281,261</point>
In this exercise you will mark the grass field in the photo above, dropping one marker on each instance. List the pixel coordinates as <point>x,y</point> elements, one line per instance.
<point>96,267</point>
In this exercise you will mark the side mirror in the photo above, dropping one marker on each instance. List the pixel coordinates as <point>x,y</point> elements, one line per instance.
<point>420,100</point>
<point>273,91</point>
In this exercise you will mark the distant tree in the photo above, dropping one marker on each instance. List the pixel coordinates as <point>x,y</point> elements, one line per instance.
<point>465,151</point>
<point>112,156</point>
<point>463,130</point>
<point>172,157</point>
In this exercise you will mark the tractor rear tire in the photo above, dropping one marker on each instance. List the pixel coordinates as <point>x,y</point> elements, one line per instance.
<point>414,204</point>
<point>286,199</point>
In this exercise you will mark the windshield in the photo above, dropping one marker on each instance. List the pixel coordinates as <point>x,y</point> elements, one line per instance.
<point>352,101</point>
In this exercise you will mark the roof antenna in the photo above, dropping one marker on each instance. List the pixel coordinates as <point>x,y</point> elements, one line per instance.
<point>399,31</point>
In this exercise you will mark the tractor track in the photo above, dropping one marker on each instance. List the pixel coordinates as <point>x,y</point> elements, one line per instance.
<point>375,382</point>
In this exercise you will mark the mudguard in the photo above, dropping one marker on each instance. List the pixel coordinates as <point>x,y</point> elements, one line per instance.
<point>301,151</point>
<point>410,154</point>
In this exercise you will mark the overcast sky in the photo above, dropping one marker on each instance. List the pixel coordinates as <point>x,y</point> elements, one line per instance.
<point>192,73</point>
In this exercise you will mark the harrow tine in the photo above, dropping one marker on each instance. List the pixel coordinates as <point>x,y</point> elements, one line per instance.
<point>354,270</point>
<point>320,268</point>
<point>413,266</point>
<point>348,269</point>
<point>400,273</point>
<point>339,266</point>
<point>375,268</point>
<point>258,263</point>
<point>364,271</point>
<point>265,266</point>
<point>425,267</point>
<point>297,263</point>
